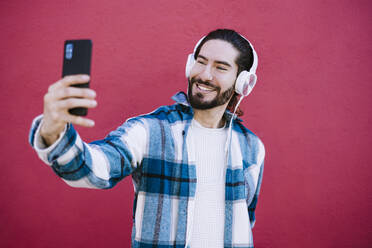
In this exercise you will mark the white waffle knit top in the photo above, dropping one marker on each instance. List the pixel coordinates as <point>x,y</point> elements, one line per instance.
<point>209,212</point>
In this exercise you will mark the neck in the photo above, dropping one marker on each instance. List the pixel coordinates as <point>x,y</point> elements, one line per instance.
<point>210,118</point>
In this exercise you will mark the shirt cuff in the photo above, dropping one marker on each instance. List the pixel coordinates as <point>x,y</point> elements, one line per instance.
<point>39,145</point>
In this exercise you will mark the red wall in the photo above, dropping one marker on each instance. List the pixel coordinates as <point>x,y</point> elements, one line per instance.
<point>311,107</point>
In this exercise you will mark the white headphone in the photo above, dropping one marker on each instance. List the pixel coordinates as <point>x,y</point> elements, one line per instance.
<point>245,81</point>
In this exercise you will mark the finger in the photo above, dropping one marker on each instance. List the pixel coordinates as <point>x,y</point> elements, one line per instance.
<point>78,120</point>
<point>54,86</point>
<point>75,102</point>
<point>70,80</point>
<point>74,92</point>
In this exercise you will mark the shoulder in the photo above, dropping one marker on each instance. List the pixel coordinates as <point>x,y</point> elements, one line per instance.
<point>251,139</point>
<point>163,115</point>
<point>169,113</point>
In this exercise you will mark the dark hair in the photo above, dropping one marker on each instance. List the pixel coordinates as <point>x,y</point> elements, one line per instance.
<point>244,60</point>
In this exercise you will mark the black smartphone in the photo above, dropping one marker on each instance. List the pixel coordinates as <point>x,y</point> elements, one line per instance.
<point>77,57</point>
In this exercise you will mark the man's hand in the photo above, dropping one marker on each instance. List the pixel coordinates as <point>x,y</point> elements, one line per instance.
<point>61,97</point>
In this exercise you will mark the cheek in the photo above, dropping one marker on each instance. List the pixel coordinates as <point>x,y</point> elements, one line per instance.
<point>195,70</point>
<point>227,81</point>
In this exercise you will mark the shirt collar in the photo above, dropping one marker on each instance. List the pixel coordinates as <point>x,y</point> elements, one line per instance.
<point>181,97</point>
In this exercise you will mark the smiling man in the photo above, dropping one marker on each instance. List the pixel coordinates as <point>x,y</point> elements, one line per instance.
<point>196,169</point>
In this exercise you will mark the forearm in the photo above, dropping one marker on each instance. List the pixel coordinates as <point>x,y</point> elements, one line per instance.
<point>64,155</point>
<point>100,164</point>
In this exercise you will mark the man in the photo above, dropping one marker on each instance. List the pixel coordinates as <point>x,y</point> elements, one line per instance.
<point>196,181</point>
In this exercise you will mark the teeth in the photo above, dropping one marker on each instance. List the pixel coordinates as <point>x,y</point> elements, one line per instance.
<point>204,88</point>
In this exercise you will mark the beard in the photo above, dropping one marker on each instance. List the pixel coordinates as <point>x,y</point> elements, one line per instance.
<point>197,100</point>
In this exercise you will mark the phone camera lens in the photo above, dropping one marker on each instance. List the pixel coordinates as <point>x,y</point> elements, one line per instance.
<point>69,50</point>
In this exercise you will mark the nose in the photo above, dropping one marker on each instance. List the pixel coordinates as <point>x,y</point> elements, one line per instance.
<point>206,74</point>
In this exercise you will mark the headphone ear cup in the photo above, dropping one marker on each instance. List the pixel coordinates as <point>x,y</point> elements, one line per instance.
<point>245,82</point>
<point>189,64</point>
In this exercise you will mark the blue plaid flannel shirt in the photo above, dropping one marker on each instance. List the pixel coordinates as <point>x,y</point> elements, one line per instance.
<point>153,148</point>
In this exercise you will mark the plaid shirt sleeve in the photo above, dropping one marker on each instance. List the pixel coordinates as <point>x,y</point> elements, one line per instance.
<point>260,163</point>
<point>99,164</point>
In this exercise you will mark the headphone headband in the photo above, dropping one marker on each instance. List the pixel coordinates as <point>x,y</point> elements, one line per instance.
<point>253,68</point>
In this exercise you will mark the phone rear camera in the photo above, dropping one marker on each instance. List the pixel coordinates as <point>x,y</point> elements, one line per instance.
<point>69,50</point>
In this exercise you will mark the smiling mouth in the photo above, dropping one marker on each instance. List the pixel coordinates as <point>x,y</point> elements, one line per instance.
<point>204,87</point>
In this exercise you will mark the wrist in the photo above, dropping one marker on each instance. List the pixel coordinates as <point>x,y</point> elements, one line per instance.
<point>48,139</point>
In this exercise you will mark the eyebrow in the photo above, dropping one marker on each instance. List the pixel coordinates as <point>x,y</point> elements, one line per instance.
<point>217,61</point>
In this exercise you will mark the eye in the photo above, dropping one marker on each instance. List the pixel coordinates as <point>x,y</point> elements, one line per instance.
<point>201,62</point>
<point>221,68</point>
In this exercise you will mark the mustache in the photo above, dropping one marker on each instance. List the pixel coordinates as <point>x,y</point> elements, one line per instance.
<point>206,83</point>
